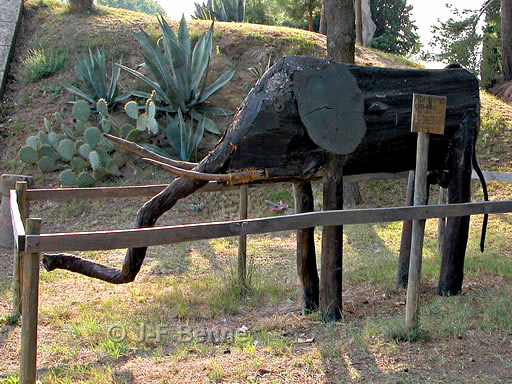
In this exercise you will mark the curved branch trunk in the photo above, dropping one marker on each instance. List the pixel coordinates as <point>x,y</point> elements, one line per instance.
<point>147,216</point>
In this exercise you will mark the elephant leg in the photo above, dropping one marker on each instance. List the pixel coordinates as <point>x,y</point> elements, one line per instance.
<point>306,257</point>
<point>332,243</point>
<point>459,191</point>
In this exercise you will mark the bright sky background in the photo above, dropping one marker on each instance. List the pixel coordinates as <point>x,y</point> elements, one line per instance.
<point>425,12</point>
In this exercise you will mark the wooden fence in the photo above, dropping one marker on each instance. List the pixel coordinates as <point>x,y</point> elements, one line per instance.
<point>29,242</point>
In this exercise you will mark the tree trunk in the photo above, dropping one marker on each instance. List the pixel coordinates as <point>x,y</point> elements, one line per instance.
<point>359,23</point>
<point>506,39</point>
<point>322,19</point>
<point>341,30</point>
<point>310,19</point>
<point>81,6</point>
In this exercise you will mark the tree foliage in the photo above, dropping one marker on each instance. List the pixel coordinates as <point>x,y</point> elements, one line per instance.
<point>459,40</point>
<point>150,7</point>
<point>396,32</point>
<point>297,12</point>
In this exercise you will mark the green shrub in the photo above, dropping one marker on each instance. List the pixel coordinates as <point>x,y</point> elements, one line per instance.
<point>41,63</point>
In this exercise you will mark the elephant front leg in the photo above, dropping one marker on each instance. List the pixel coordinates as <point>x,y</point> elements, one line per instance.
<point>306,257</point>
<point>332,243</point>
<point>459,191</point>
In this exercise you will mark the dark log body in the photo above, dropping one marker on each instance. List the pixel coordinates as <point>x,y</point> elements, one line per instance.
<point>277,138</point>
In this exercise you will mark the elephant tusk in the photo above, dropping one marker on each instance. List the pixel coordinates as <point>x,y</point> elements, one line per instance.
<point>241,177</point>
<point>141,151</point>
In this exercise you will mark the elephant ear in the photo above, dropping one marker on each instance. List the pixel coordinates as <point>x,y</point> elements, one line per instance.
<point>331,107</point>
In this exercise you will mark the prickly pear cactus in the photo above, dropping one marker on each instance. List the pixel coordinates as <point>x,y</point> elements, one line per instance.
<point>81,152</point>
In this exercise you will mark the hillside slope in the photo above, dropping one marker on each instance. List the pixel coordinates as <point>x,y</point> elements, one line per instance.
<point>48,27</point>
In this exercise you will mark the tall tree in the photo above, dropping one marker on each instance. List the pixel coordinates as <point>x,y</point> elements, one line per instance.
<point>490,66</point>
<point>321,29</point>
<point>359,22</point>
<point>506,39</point>
<point>341,30</point>
<point>295,12</point>
<point>396,32</point>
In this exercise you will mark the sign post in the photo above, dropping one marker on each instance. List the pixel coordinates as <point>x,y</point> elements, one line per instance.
<point>428,116</point>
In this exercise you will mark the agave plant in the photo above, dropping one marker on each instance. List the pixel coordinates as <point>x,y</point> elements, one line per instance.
<point>182,136</point>
<point>223,10</point>
<point>91,72</point>
<point>177,73</point>
<point>259,69</point>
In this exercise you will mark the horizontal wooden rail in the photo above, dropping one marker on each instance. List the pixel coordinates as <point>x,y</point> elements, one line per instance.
<point>101,240</point>
<point>494,176</point>
<point>18,229</point>
<point>59,194</point>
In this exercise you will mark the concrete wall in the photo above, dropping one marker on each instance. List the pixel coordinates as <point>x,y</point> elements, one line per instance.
<point>10,18</point>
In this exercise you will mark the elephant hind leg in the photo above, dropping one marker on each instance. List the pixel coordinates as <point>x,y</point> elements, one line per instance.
<point>306,257</point>
<point>459,191</point>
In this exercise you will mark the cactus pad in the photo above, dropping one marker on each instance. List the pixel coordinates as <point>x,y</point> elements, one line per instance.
<point>81,110</point>
<point>46,150</point>
<point>47,164</point>
<point>92,136</point>
<point>27,154</point>
<point>131,110</point>
<point>84,150</point>
<point>142,122</point>
<point>85,180</point>
<point>66,149</point>
<point>101,107</point>
<point>94,159</point>
<point>68,177</point>
<point>32,142</point>
<point>78,164</point>
<point>44,138</point>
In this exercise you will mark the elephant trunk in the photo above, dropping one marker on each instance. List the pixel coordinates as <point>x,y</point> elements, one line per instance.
<point>215,162</point>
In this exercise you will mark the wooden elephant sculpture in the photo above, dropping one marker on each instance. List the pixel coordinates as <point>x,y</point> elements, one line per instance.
<point>301,117</point>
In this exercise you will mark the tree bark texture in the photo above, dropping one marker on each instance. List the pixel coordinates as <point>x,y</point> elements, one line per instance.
<point>506,39</point>
<point>341,30</point>
<point>321,29</point>
<point>306,256</point>
<point>359,22</point>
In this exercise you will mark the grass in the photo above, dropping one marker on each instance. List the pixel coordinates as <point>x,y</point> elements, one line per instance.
<point>41,63</point>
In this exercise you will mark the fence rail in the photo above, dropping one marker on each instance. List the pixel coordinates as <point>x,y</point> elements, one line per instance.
<point>128,238</point>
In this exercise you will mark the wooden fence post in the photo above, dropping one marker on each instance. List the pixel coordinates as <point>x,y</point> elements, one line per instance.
<point>428,116</point>
<point>418,228</point>
<point>17,274</point>
<point>30,309</point>
<point>242,240</point>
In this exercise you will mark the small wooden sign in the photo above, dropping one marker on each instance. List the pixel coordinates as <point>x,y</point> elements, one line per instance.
<point>428,113</point>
